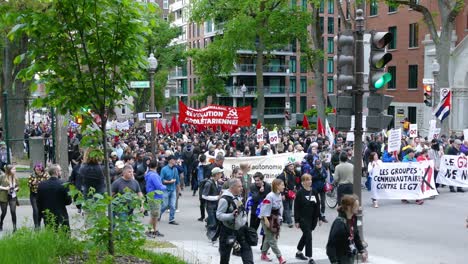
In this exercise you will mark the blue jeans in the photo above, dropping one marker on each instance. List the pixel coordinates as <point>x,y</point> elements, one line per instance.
<point>287,211</point>
<point>169,201</point>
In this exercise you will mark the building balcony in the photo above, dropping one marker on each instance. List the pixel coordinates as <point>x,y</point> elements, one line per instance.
<point>271,91</point>
<point>179,91</point>
<point>177,74</point>
<point>270,112</point>
<point>287,50</point>
<point>250,69</point>
<point>177,5</point>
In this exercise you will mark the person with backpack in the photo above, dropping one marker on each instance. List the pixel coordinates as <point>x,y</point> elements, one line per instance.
<point>233,220</point>
<point>201,168</point>
<point>211,196</point>
<point>344,242</point>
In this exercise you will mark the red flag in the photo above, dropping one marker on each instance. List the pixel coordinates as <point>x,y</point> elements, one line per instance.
<point>160,127</point>
<point>305,123</point>
<point>320,127</point>
<point>168,128</point>
<point>174,125</point>
<point>259,124</point>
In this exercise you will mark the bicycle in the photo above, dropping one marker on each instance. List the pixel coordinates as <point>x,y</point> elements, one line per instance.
<point>331,195</point>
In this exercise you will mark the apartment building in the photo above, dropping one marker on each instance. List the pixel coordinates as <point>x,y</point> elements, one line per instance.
<point>285,74</point>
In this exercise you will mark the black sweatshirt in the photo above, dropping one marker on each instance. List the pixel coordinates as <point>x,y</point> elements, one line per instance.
<point>307,208</point>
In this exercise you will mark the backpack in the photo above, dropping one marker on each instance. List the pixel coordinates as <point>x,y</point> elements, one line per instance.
<point>249,234</point>
<point>213,187</point>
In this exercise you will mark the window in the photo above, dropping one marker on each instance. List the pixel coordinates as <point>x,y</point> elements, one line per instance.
<point>374,8</point>
<point>321,21</point>
<point>413,77</point>
<point>331,46</point>
<point>330,66</point>
<point>303,84</point>
<point>303,64</point>
<point>292,64</point>
<point>393,43</point>
<point>412,114</point>
<point>321,6</point>
<point>330,89</point>
<point>165,4</point>
<point>413,35</point>
<point>392,83</point>
<point>303,104</point>
<point>392,9</point>
<point>293,103</point>
<point>292,84</point>
<point>331,6</point>
<point>331,25</point>
<point>124,108</point>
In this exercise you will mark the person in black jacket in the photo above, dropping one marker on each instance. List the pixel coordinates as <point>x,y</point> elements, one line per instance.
<point>306,216</point>
<point>319,177</point>
<point>92,173</point>
<point>259,190</point>
<point>344,242</point>
<point>52,197</point>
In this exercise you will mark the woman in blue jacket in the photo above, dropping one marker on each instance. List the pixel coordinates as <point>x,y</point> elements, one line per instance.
<point>319,178</point>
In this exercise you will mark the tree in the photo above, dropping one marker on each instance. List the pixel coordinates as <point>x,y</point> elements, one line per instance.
<point>448,11</point>
<point>86,52</point>
<point>17,89</point>
<point>258,25</point>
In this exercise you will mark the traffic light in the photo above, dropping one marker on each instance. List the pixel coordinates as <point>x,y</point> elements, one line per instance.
<point>344,106</point>
<point>344,60</point>
<point>376,120</point>
<point>428,94</point>
<point>79,119</point>
<point>378,58</point>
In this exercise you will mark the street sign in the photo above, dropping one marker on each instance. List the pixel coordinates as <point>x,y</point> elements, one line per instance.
<point>428,81</point>
<point>443,92</point>
<point>140,84</point>
<point>153,115</point>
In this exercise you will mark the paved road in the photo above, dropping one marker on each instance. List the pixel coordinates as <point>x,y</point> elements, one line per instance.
<point>433,233</point>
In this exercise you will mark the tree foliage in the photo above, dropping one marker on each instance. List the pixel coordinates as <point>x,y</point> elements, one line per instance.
<point>261,26</point>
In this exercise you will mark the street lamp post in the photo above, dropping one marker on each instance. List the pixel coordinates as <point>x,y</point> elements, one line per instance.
<point>435,73</point>
<point>153,65</point>
<point>288,103</point>
<point>243,89</point>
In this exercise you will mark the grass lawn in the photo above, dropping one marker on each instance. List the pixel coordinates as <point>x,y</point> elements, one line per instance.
<point>24,188</point>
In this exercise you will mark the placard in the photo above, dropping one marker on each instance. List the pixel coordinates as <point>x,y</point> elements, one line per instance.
<point>260,135</point>
<point>394,140</point>
<point>148,127</point>
<point>413,130</point>
<point>273,136</point>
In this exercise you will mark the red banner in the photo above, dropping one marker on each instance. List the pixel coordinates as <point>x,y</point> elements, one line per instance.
<point>215,115</point>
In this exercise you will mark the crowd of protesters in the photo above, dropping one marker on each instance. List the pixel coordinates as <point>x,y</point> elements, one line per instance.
<point>194,159</point>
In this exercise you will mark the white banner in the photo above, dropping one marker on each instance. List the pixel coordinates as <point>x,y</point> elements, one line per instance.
<point>453,171</point>
<point>273,135</point>
<point>394,140</point>
<point>413,130</point>
<point>123,126</point>
<point>465,134</point>
<point>271,166</point>
<point>404,180</point>
<point>260,135</point>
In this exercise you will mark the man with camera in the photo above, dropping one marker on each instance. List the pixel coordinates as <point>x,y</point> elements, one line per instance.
<point>233,219</point>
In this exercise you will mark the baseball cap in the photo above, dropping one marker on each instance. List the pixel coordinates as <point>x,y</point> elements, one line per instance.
<point>113,154</point>
<point>289,162</point>
<point>216,170</point>
<point>119,164</point>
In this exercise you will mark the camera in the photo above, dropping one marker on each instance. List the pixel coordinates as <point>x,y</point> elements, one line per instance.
<point>352,248</point>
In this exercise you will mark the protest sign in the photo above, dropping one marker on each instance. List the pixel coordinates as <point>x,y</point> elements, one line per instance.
<point>260,135</point>
<point>453,171</point>
<point>350,137</point>
<point>413,130</point>
<point>215,115</point>
<point>148,127</point>
<point>123,125</point>
<point>271,166</point>
<point>394,140</point>
<point>273,135</point>
<point>404,180</point>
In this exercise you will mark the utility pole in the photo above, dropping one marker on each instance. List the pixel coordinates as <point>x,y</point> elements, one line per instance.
<point>358,92</point>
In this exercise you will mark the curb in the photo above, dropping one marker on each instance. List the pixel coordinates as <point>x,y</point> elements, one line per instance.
<point>187,256</point>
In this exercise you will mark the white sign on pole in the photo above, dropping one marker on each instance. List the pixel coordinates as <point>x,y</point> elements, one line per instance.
<point>433,133</point>
<point>428,81</point>
<point>167,93</point>
<point>260,135</point>
<point>350,136</point>
<point>443,92</point>
<point>139,84</point>
<point>465,134</point>
<point>413,130</point>
<point>273,135</point>
<point>141,116</point>
<point>148,127</point>
<point>394,140</point>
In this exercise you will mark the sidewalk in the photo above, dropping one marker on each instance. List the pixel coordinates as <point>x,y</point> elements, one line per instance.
<point>199,252</point>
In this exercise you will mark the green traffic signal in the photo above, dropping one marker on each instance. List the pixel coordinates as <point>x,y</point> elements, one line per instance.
<point>381,80</point>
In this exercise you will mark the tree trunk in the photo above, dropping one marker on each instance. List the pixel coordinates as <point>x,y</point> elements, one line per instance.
<point>260,88</point>
<point>61,145</point>
<point>110,245</point>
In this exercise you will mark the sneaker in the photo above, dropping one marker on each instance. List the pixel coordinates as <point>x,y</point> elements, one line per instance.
<point>452,190</point>
<point>300,255</point>
<point>376,205</point>
<point>311,261</point>
<point>281,260</point>
<point>420,202</point>
<point>173,223</point>
<point>405,201</point>
<point>177,211</point>
<point>158,234</point>
<point>324,220</point>
<point>201,219</point>
<point>265,257</point>
<point>460,190</point>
